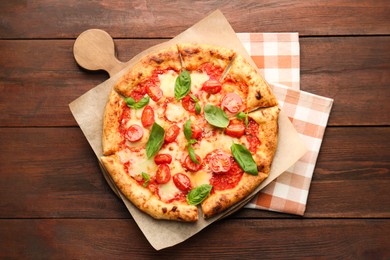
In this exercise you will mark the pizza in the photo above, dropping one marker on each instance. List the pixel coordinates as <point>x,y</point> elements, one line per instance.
<point>189,128</point>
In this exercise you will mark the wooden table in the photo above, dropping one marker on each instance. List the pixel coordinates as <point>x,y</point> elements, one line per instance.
<point>54,202</point>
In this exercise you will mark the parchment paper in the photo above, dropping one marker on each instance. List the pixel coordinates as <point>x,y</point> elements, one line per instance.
<point>88,112</point>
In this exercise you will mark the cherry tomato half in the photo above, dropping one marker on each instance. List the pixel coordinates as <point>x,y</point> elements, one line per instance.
<point>192,166</point>
<point>232,102</point>
<point>171,134</point>
<point>220,162</point>
<point>196,131</point>
<point>134,133</point>
<point>163,174</point>
<point>212,86</point>
<point>182,182</point>
<point>188,103</point>
<point>236,128</point>
<point>154,91</point>
<point>163,158</point>
<point>147,117</point>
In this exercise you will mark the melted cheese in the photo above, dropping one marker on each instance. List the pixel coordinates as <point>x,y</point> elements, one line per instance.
<point>168,83</point>
<point>197,80</point>
<point>168,191</point>
<point>176,113</point>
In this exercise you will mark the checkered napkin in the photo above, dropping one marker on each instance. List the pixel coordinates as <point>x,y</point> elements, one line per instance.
<point>277,58</point>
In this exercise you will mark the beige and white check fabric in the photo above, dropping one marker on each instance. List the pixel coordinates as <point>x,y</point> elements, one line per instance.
<point>277,58</point>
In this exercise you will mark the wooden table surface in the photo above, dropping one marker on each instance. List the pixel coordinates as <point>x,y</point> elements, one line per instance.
<point>54,202</point>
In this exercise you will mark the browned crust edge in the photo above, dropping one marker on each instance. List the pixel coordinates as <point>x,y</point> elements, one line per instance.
<point>143,198</point>
<point>221,200</point>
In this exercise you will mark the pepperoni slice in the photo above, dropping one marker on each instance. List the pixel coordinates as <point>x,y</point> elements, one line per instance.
<point>163,174</point>
<point>212,86</point>
<point>220,162</point>
<point>188,103</point>
<point>163,158</point>
<point>190,165</point>
<point>147,117</point>
<point>236,128</point>
<point>232,102</point>
<point>171,134</point>
<point>134,133</point>
<point>153,91</point>
<point>182,182</point>
<point>196,131</point>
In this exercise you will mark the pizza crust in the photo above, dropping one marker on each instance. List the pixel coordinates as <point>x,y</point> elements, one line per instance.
<point>143,198</point>
<point>258,92</point>
<point>161,60</point>
<point>219,201</point>
<point>111,137</point>
<point>194,55</point>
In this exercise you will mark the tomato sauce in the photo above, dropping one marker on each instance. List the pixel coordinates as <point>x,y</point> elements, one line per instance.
<point>228,180</point>
<point>211,70</point>
<point>251,135</point>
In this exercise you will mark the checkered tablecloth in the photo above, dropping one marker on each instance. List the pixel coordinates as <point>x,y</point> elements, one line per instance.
<point>277,58</point>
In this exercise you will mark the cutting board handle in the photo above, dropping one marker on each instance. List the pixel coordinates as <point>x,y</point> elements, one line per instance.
<point>94,50</point>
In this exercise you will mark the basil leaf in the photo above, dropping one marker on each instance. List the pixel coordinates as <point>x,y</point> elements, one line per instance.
<point>146,177</point>
<point>182,85</point>
<point>192,141</point>
<point>155,141</point>
<point>215,116</point>
<point>198,194</point>
<point>198,109</point>
<point>187,130</point>
<point>130,102</point>
<point>194,98</point>
<point>192,154</point>
<point>242,116</point>
<point>244,158</point>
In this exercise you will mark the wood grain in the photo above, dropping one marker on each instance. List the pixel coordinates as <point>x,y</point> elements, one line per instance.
<point>364,239</point>
<point>156,19</point>
<point>53,173</point>
<point>43,81</point>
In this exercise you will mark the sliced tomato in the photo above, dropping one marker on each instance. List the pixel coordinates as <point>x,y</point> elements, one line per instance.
<point>171,134</point>
<point>196,131</point>
<point>147,117</point>
<point>134,133</point>
<point>188,103</point>
<point>232,102</point>
<point>192,166</point>
<point>153,91</point>
<point>163,174</point>
<point>236,128</point>
<point>182,182</point>
<point>220,162</point>
<point>212,86</point>
<point>163,158</point>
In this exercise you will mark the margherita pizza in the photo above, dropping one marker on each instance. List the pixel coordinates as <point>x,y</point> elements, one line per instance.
<point>189,125</point>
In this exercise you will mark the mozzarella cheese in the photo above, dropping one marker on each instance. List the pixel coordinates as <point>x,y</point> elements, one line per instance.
<point>197,80</point>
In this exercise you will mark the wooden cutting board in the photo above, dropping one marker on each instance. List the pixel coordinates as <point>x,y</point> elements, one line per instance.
<point>94,50</point>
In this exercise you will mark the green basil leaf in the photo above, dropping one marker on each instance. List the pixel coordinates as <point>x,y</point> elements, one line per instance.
<point>155,141</point>
<point>241,115</point>
<point>194,98</point>
<point>182,85</point>
<point>244,158</point>
<point>130,102</point>
<point>198,109</point>
<point>215,116</point>
<point>192,141</point>
<point>192,154</point>
<point>187,130</point>
<point>198,194</point>
<point>146,177</point>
